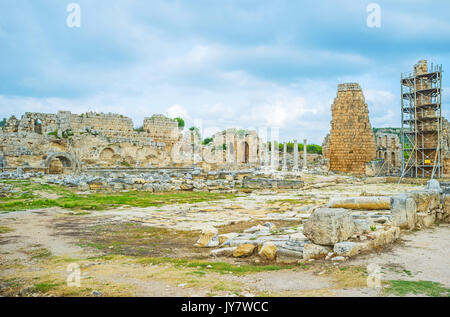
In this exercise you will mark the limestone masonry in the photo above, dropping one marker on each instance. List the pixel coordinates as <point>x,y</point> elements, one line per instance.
<point>352,142</point>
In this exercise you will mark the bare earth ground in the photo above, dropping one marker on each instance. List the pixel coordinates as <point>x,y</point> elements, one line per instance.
<point>134,251</point>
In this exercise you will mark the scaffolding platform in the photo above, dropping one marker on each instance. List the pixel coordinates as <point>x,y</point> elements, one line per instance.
<point>421,100</point>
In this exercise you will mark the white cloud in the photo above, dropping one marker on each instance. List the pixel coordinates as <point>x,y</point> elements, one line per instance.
<point>177,111</point>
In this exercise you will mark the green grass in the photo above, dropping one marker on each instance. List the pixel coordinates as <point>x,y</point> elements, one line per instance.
<point>428,288</point>
<point>44,287</point>
<point>219,267</point>
<point>99,201</point>
<point>41,253</point>
<point>4,229</point>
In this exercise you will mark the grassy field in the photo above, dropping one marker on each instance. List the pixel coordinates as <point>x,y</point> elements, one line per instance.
<point>30,195</point>
<point>407,288</point>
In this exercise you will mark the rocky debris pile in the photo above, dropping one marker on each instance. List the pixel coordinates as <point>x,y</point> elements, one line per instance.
<point>336,233</point>
<point>162,180</point>
<point>20,174</point>
<point>422,208</point>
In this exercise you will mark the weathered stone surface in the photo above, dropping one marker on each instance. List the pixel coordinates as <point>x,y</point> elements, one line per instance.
<point>328,226</point>
<point>346,248</point>
<point>446,208</point>
<point>426,200</point>
<point>383,237</point>
<point>208,238</point>
<point>425,220</point>
<point>433,184</point>
<point>351,143</point>
<point>361,225</point>
<point>223,251</point>
<point>244,250</point>
<point>223,238</point>
<point>365,203</point>
<point>314,251</point>
<point>268,251</point>
<point>403,209</point>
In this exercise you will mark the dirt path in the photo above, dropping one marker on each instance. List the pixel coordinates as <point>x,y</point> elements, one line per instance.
<point>420,255</point>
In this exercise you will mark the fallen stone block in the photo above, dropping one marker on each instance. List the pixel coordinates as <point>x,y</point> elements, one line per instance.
<point>426,200</point>
<point>268,251</point>
<point>289,253</point>
<point>314,251</point>
<point>425,220</point>
<point>403,209</point>
<point>383,237</point>
<point>256,229</point>
<point>244,250</point>
<point>361,203</point>
<point>223,251</point>
<point>209,238</point>
<point>347,248</point>
<point>224,238</point>
<point>361,225</point>
<point>328,226</point>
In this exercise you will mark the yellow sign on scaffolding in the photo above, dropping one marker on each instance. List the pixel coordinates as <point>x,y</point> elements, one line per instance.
<point>427,161</point>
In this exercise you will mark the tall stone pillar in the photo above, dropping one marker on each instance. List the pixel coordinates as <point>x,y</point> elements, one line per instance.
<point>305,159</point>
<point>284,168</point>
<point>295,167</point>
<point>273,165</point>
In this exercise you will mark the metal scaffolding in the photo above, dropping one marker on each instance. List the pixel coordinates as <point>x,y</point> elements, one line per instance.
<point>422,121</point>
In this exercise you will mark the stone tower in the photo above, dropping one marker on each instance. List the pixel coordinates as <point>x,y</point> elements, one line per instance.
<point>352,142</point>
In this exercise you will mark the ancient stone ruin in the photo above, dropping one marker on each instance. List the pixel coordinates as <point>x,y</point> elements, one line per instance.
<point>351,143</point>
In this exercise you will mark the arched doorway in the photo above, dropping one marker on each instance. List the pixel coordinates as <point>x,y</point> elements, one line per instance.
<point>246,152</point>
<point>38,126</point>
<point>106,155</point>
<point>62,163</point>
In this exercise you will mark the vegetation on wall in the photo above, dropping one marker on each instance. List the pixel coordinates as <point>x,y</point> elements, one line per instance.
<point>180,122</point>
<point>207,141</point>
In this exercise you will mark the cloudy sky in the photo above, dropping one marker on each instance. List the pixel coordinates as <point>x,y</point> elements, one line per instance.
<point>218,63</point>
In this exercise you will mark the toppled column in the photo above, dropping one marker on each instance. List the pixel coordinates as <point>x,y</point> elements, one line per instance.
<point>361,203</point>
<point>305,159</point>
<point>284,169</point>
<point>295,167</point>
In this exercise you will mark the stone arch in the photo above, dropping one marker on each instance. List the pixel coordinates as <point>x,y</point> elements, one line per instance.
<point>58,163</point>
<point>38,126</point>
<point>107,155</point>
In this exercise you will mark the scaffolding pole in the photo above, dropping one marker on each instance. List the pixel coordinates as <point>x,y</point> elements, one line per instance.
<point>421,126</point>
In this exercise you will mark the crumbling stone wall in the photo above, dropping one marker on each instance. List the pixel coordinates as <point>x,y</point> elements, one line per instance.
<point>389,150</point>
<point>352,142</point>
<point>162,129</point>
<point>239,146</point>
<point>106,123</point>
<point>92,139</point>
